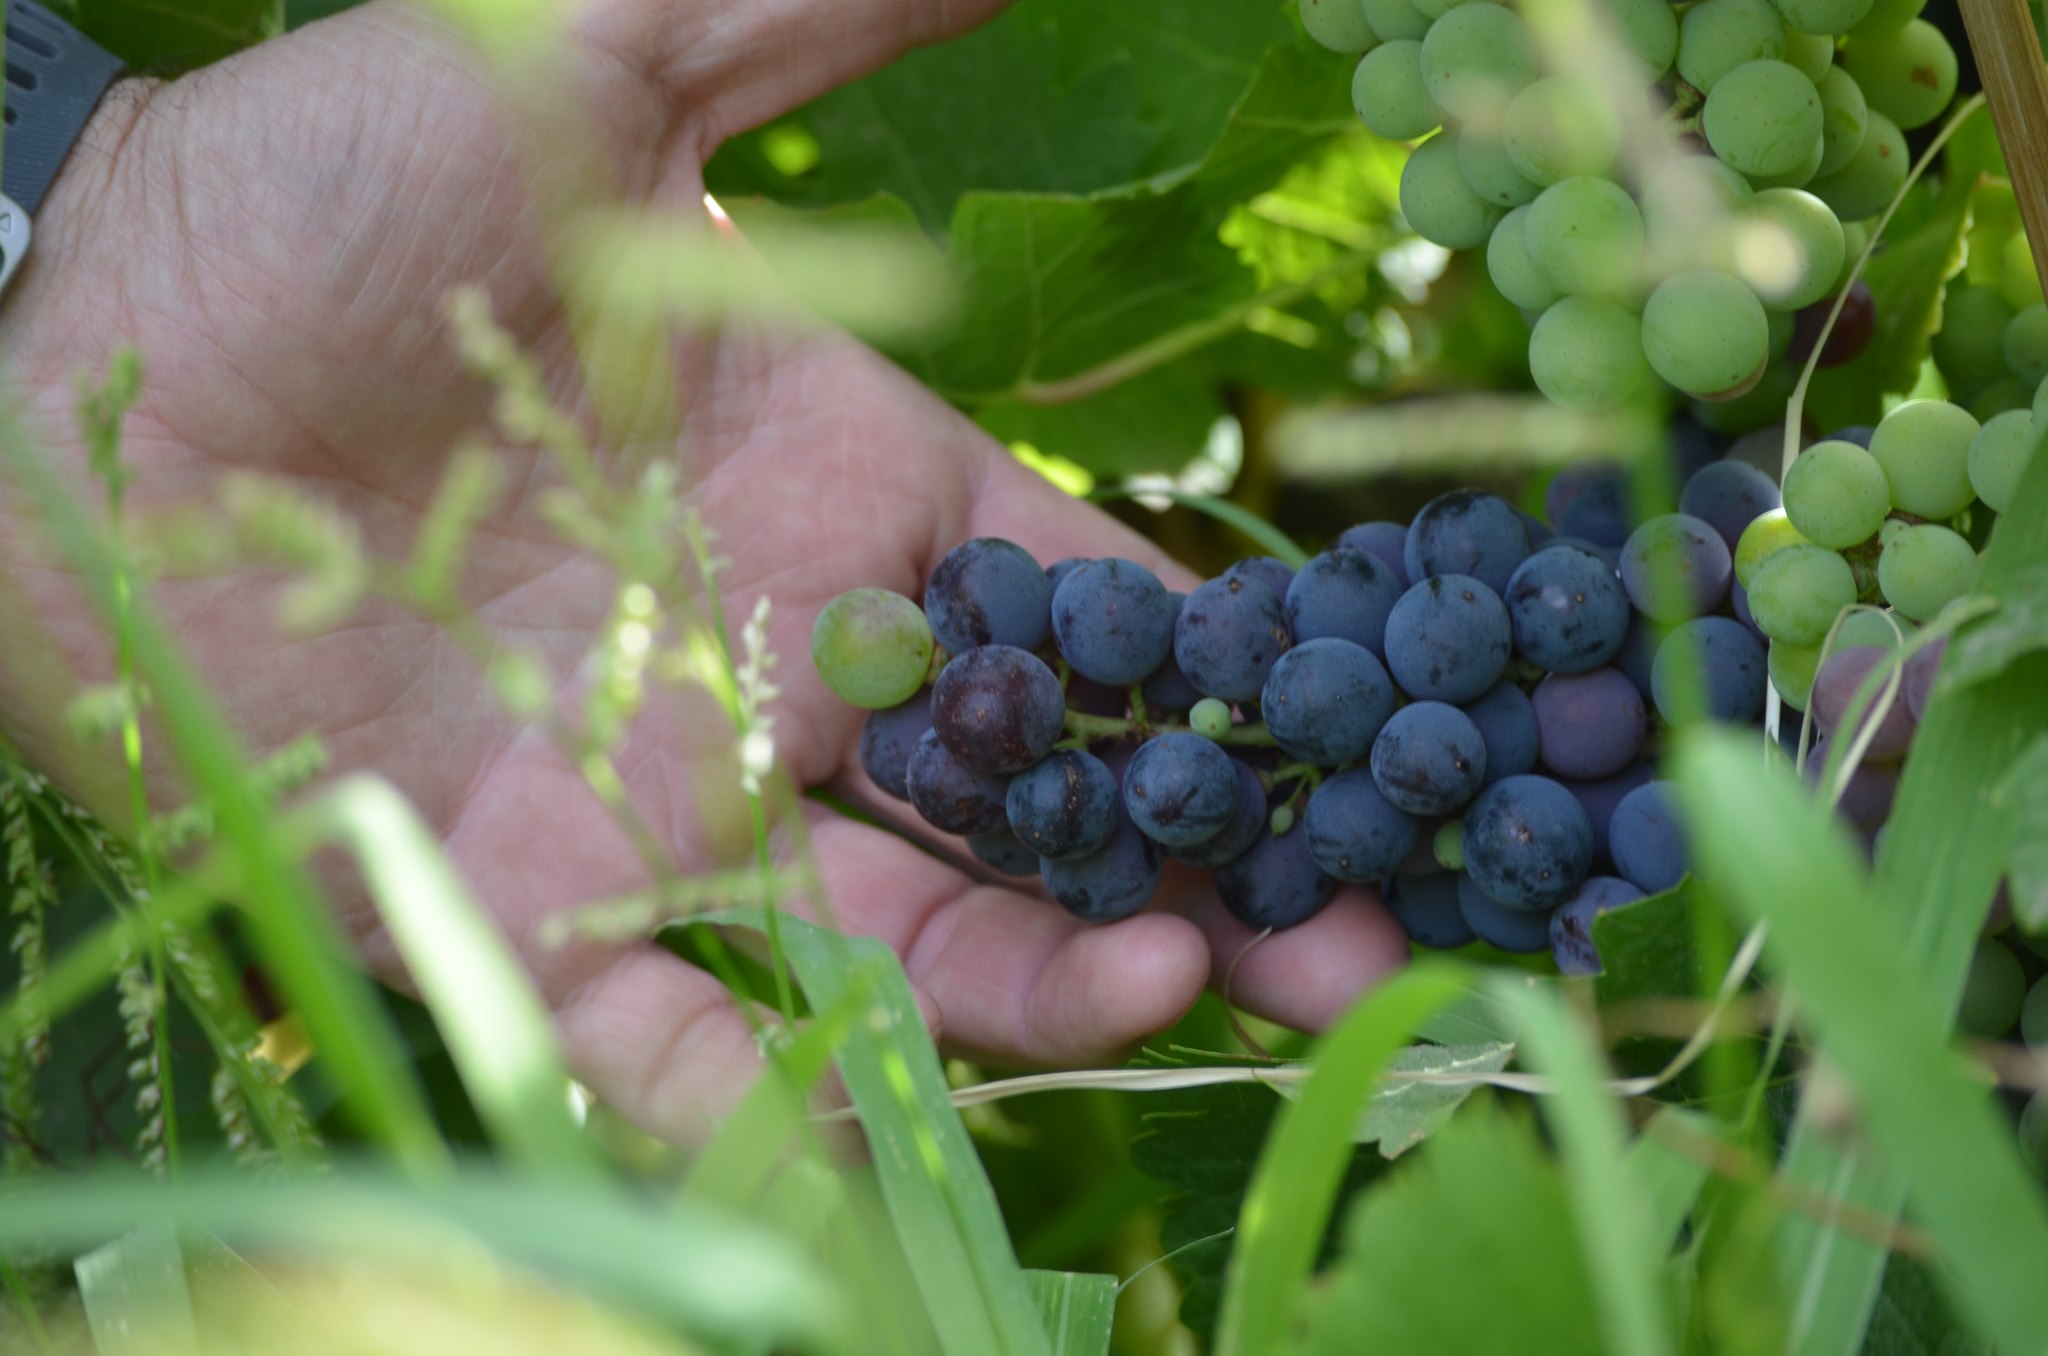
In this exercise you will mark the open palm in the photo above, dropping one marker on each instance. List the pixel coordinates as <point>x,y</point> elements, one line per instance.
<point>276,234</point>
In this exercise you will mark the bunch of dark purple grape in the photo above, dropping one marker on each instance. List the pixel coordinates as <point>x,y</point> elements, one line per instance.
<point>1459,712</point>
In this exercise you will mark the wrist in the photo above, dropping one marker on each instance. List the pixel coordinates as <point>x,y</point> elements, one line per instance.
<point>78,214</point>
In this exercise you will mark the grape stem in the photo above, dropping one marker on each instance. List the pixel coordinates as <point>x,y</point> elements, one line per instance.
<point>1307,774</point>
<point>1085,726</point>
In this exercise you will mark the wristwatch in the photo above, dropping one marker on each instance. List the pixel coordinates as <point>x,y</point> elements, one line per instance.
<point>55,76</point>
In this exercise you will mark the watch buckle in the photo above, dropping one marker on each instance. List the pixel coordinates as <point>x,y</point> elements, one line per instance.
<point>14,238</point>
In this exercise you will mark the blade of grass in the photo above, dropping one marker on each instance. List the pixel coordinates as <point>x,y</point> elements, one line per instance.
<point>1667,1181</point>
<point>302,946</point>
<point>1935,877</point>
<point>495,1024</point>
<point>1287,1207</point>
<point>25,1305</point>
<point>136,1297</point>
<point>706,1270</point>
<point>1616,1230</point>
<point>1079,1309</point>
<point>755,1140</point>
<point>1780,858</point>
<point>938,1193</point>
<point>1257,529</point>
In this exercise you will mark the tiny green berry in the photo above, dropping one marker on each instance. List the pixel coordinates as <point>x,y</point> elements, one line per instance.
<point>1449,846</point>
<point>1282,820</point>
<point>1210,718</point>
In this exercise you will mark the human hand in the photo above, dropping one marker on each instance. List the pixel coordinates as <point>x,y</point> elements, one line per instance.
<point>276,235</point>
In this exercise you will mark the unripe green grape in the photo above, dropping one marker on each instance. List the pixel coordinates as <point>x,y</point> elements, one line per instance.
<point>2034,1019</point>
<point>1339,25</point>
<point>1705,332</point>
<point>2007,393</point>
<point>2040,405</point>
<point>1797,593</point>
<point>1560,128</point>
<point>1483,160</point>
<point>1586,236</point>
<point>1210,718</point>
<point>1388,93</point>
<point>1999,455</point>
<point>1432,10</point>
<point>1882,630</point>
<point>872,647</point>
<point>2018,281</point>
<point>1507,263</point>
<point>1648,29</point>
<point>1836,495</point>
<point>2026,343</point>
<point>1716,36</point>
<point>1924,569</point>
<point>2033,1133</point>
<point>1792,669</point>
<point>1872,177</point>
<point>1908,74</point>
<point>1790,252</point>
<point>1993,991</point>
<point>1439,205</point>
<point>1886,15</point>
<point>1924,447</point>
<point>1799,176</point>
<point>1969,348</point>
<point>1396,20</point>
<point>1587,354</point>
<point>1767,534</point>
<point>1476,58</point>
<point>1691,207</point>
<point>1811,54</point>
<point>1822,17</point>
<point>1763,117</point>
<point>1448,846</point>
<point>1844,118</point>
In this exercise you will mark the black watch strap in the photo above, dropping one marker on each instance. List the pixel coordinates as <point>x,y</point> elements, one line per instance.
<point>55,77</point>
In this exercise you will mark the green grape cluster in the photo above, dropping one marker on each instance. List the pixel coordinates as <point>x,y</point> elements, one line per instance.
<point>1992,346</point>
<point>1879,524</point>
<point>1637,258</point>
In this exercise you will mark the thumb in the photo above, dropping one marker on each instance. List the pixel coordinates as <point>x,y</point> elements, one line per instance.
<point>736,64</point>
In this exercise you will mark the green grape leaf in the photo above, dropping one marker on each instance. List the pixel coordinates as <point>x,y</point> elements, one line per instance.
<point>1151,423</point>
<point>1481,1205</point>
<point>1650,949</point>
<point>1478,1017</point>
<point>1054,97</point>
<point>1913,1317</point>
<point>1402,1115</point>
<point>162,37</point>
<point>1065,294</point>
<point>1055,287</point>
<point>1203,1144</point>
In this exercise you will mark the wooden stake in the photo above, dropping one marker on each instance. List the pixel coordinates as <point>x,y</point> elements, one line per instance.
<point>2016,81</point>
